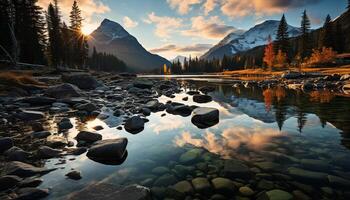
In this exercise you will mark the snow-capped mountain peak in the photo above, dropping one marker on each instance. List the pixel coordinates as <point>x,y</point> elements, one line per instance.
<point>112,29</point>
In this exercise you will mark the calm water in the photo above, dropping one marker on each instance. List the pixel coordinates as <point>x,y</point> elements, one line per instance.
<point>269,130</point>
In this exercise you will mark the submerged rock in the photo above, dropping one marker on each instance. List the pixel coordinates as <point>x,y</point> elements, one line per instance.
<point>134,124</point>
<point>202,98</point>
<point>276,195</point>
<point>205,117</point>
<point>165,180</point>
<point>184,187</point>
<point>190,156</point>
<point>308,176</point>
<point>201,185</point>
<point>23,169</point>
<point>223,185</point>
<point>235,168</point>
<point>111,151</point>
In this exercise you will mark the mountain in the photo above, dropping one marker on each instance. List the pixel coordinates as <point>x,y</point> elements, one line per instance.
<point>239,42</point>
<point>111,37</point>
<point>179,58</point>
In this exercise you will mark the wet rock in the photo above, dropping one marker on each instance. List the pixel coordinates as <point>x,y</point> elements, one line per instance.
<point>291,75</point>
<point>202,98</point>
<point>185,99</point>
<point>235,168</point>
<point>184,187</point>
<point>16,154</point>
<point>223,185</point>
<point>134,124</point>
<point>38,100</point>
<point>56,141</point>
<point>48,152</point>
<point>27,115</point>
<point>205,117</point>
<point>5,144</point>
<point>179,109</point>
<point>37,127</point>
<point>111,151</point>
<point>246,191</point>
<point>143,84</point>
<point>206,89</point>
<point>98,128</point>
<point>336,181</point>
<point>299,195</point>
<point>146,111</point>
<point>88,137</point>
<point>23,169</point>
<point>276,195</point>
<point>64,91</point>
<point>41,134</point>
<point>317,165</point>
<point>78,151</point>
<point>192,93</point>
<point>83,80</point>
<point>308,176</point>
<point>31,193</point>
<point>190,156</point>
<point>10,181</point>
<point>160,170</point>
<point>31,182</point>
<point>103,191</point>
<point>268,166</point>
<point>152,105</point>
<point>64,124</point>
<point>201,185</point>
<point>88,107</point>
<point>74,175</point>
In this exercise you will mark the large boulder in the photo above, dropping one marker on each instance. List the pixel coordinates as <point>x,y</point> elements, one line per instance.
<point>83,80</point>
<point>63,91</point>
<point>89,137</point>
<point>5,144</point>
<point>134,124</point>
<point>111,151</point>
<point>16,154</point>
<point>179,109</point>
<point>7,182</point>
<point>205,117</point>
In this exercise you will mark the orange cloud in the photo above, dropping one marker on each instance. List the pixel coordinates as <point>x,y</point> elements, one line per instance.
<point>165,26</point>
<point>183,6</point>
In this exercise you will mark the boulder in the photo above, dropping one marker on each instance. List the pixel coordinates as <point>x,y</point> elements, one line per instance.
<point>56,141</point>
<point>41,134</point>
<point>74,175</point>
<point>205,117</point>
<point>84,81</point>
<point>48,152</point>
<point>134,124</point>
<point>16,154</point>
<point>201,185</point>
<point>184,187</point>
<point>5,144</point>
<point>23,169</point>
<point>179,109</point>
<point>223,185</point>
<point>202,98</point>
<point>64,91</point>
<point>88,137</point>
<point>277,195</point>
<point>9,181</point>
<point>143,84</point>
<point>27,115</point>
<point>111,151</point>
<point>31,193</point>
<point>235,168</point>
<point>307,176</point>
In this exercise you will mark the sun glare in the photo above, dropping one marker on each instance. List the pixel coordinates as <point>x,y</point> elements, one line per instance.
<point>86,29</point>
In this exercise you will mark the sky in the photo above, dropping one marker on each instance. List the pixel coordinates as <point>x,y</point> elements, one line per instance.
<point>190,27</point>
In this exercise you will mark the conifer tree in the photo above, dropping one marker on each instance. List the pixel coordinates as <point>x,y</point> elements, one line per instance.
<point>55,36</point>
<point>327,33</point>
<point>282,39</point>
<point>6,27</point>
<point>304,48</point>
<point>339,40</point>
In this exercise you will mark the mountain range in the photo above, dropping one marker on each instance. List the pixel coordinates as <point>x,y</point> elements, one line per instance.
<point>242,41</point>
<point>110,37</point>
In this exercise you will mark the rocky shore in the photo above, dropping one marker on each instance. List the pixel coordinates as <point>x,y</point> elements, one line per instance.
<point>34,121</point>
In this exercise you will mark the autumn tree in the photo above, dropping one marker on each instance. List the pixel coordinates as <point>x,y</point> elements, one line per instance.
<point>323,56</point>
<point>304,48</point>
<point>269,54</point>
<point>281,58</point>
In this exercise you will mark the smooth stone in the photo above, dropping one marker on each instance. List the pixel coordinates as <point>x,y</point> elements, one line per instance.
<point>31,182</point>
<point>111,151</point>
<point>27,115</point>
<point>265,185</point>
<point>74,175</point>
<point>205,117</point>
<point>9,181</point>
<point>64,91</point>
<point>146,111</point>
<point>153,104</point>
<point>64,124</point>
<point>134,125</point>
<point>184,187</point>
<point>32,193</point>
<point>201,185</point>
<point>223,185</point>
<point>246,191</point>
<point>37,127</point>
<point>16,154</point>
<point>88,107</point>
<point>165,180</point>
<point>143,84</point>
<point>236,169</point>
<point>48,152</point>
<point>299,195</point>
<point>336,181</point>
<point>220,197</point>
<point>23,169</point>
<point>160,170</point>
<point>202,98</point>
<point>315,165</point>
<point>268,166</point>
<point>88,137</point>
<point>180,109</point>
<point>98,128</point>
<point>5,144</point>
<point>56,141</point>
<point>278,195</point>
<point>83,80</point>
<point>41,134</point>
<point>190,156</point>
<point>309,176</point>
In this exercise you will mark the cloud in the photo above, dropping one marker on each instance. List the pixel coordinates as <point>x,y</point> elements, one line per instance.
<point>89,8</point>
<point>165,26</point>
<point>209,6</point>
<point>242,8</point>
<point>182,49</point>
<point>129,23</point>
<point>208,28</point>
<point>183,6</point>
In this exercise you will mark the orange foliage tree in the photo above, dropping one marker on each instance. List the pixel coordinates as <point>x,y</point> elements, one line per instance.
<point>281,59</point>
<point>323,56</point>
<point>269,55</point>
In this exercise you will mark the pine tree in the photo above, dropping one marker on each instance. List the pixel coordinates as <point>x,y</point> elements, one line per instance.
<point>304,48</point>
<point>269,55</point>
<point>327,33</point>
<point>282,40</point>
<point>339,41</point>
<point>55,36</point>
<point>6,27</point>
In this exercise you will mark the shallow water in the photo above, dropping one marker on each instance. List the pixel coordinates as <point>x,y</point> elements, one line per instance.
<point>269,130</point>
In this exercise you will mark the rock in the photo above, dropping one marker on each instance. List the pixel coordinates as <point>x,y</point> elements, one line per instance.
<point>336,181</point>
<point>88,107</point>
<point>307,176</point>
<point>41,134</point>
<point>345,77</point>
<point>134,124</point>
<point>299,195</point>
<point>64,91</point>
<point>179,109</point>
<point>143,84</point>
<point>10,181</point>
<point>56,141</point>
<point>333,77</point>
<point>38,100</point>
<point>317,165</point>
<point>84,81</point>
<point>31,193</point>
<point>88,137</point>
<point>146,111</point>
<point>265,185</point>
<point>31,182</point>
<point>78,151</point>
<point>184,187</point>
<point>74,175</point>
<point>48,152</point>
<point>103,191</point>
<point>5,144</point>
<point>291,75</point>
<point>37,127</point>
<point>152,105</point>
<point>201,185</point>
<point>268,166</point>
<point>165,180</point>
<point>23,170</point>
<point>205,117</point>
<point>346,88</point>
<point>16,154</point>
<point>98,128</point>
<point>190,156</point>
<point>27,115</point>
<point>277,195</point>
<point>206,89</point>
<point>64,124</point>
<point>246,191</point>
<point>223,185</point>
<point>235,168</point>
<point>192,93</point>
<point>202,98</point>
<point>160,170</point>
<point>185,99</point>
<point>111,151</point>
